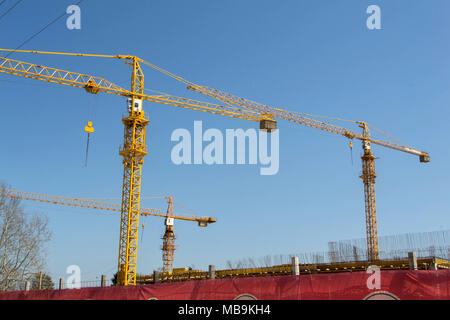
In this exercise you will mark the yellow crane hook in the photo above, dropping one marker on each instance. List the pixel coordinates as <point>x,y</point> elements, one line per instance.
<point>89,129</point>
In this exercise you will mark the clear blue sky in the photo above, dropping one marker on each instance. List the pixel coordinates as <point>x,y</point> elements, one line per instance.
<point>316,57</point>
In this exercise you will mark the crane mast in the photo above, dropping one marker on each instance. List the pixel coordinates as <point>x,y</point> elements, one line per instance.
<point>133,152</point>
<point>368,176</point>
<point>168,247</point>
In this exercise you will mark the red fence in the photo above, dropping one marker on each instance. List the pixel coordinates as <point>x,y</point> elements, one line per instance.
<point>402,284</point>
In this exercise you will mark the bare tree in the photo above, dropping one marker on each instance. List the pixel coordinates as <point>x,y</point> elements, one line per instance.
<point>22,242</point>
<point>46,282</point>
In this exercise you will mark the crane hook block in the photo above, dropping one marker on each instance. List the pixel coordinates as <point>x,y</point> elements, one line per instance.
<point>91,87</point>
<point>268,125</point>
<point>89,128</point>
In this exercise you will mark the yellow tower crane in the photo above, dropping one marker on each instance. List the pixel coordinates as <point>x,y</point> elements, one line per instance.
<point>269,122</point>
<point>134,148</point>
<point>168,247</point>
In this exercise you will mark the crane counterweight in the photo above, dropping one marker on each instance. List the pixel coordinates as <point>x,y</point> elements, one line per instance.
<point>268,125</point>
<point>424,158</point>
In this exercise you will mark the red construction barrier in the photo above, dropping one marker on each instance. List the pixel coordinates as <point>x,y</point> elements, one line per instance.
<point>402,284</point>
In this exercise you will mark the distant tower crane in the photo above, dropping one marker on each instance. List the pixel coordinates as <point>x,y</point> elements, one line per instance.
<point>168,247</point>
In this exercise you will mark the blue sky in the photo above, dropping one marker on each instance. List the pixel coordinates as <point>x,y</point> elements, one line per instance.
<point>316,57</point>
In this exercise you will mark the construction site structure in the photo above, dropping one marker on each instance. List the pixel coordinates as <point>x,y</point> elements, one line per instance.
<point>134,149</point>
<point>184,274</point>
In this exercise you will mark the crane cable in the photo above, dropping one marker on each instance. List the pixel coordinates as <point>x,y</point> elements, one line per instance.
<point>191,212</point>
<point>87,151</point>
<point>41,30</point>
<point>167,73</point>
<point>386,135</point>
<point>181,79</point>
<point>89,129</point>
<point>10,9</point>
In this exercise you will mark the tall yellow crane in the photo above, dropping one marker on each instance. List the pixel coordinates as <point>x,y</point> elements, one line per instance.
<point>269,123</point>
<point>168,247</point>
<point>134,148</point>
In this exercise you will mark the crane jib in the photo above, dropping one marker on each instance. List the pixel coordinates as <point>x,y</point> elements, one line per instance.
<point>423,156</point>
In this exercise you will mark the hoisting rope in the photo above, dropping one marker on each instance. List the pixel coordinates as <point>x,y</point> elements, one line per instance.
<point>89,129</point>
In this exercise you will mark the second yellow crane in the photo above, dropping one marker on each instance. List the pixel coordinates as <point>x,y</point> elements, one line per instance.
<point>168,247</point>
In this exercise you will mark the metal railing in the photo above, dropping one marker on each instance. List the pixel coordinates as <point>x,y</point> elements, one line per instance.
<point>294,268</point>
<point>430,263</point>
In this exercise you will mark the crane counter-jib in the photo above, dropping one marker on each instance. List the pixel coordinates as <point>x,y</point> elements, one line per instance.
<point>423,156</point>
